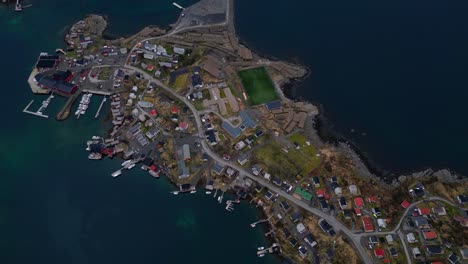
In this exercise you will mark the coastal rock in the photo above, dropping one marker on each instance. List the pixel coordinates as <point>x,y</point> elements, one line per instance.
<point>402,178</point>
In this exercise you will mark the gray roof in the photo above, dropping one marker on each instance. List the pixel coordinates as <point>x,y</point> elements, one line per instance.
<point>218,168</point>
<point>236,131</point>
<point>186,150</point>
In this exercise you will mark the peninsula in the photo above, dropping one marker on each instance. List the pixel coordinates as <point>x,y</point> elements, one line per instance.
<point>194,105</point>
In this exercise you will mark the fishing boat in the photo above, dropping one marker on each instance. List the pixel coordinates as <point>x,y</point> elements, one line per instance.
<point>94,156</point>
<point>116,173</point>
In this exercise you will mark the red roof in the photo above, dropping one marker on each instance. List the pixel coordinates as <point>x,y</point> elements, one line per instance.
<point>430,235</point>
<point>405,204</point>
<point>152,167</point>
<point>183,125</point>
<point>150,67</point>
<point>386,260</point>
<point>367,224</point>
<point>174,110</point>
<point>321,192</point>
<point>424,211</point>
<point>153,112</point>
<point>380,253</point>
<point>357,211</point>
<point>372,199</point>
<point>358,202</point>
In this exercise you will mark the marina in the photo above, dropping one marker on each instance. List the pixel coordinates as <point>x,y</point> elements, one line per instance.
<point>83,106</point>
<point>41,109</point>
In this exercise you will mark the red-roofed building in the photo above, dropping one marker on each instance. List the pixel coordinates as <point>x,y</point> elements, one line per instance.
<point>405,204</point>
<point>358,211</point>
<point>321,192</point>
<point>153,112</point>
<point>174,110</point>
<point>183,125</point>
<point>150,67</point>
<point>424,211</point>
<point>359,202</point>
<point>379,252</point>
<point>372,199</point>
<point>429,235</point>
<point>367,224</point>
<point>386,260</point>
<point>152,167</point>
<point>462,220</point>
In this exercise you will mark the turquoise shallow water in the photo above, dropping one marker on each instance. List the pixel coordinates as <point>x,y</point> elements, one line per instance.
<point>56,206</point>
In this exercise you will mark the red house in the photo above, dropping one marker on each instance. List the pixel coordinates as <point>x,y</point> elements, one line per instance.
<point>174,110</point>
<point>372,199</point>
<point>358,211</point>
<point>359,202</point>
<point>380,253</point>
<point>405,204</point>
<point>424,211</point>
<point>429,235</point>
<point>367,224</point>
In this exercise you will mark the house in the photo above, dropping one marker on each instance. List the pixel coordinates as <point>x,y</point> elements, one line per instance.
<point>321,193</point>
<point>382,223</point>
<point>301,228</point>
<point>250,139</point>
<point>148,56</point>
<point>302,252</point>
<point>429,235</point>
<point>372,199</point>
<point>421,222</point>
<point>309,239</point>
<point>267,176</point>
<point>211,137</point>
<point>59,86</point>
<point>389,238</point>
<point>277,181</point>
<point>334,179</point>
<point>230,172</point>
<point>353,189</point>
<point>462,220</point>
<point>357,211</point>
<point>302,193</point>
<point>180,51</point>
<point>316,181</point>
<point>464,253</point>
<point>416,252</point>
<point>417,191</point>
<point>379,253</point>
<point>405,204</point>
<point>342,202</point>
<point>197,81</point>
<point>359,202</point>
<point>286,232</point>
<point>268,195</point>
<point>347,213</point>
<point>367,224</point>
<point>183,171</point>
<point>285,205</point>
<point>433,250</point>
<point>218,168</point>
<point>411,238</point>
<point>453,258</point>
<point>242,159</point>
<point>462,199</point>
<point>296,216</point>
<point>324,205</point>
<point>293,242</point>
<point>393,252</point>
<point>186,152</point>
<point>326,227</point>
<point>376,211</point>
<point>256,169</point>
<point>240,145</point>
<point>373,240</point>
<point>440,211</point>
<point>424,211</point>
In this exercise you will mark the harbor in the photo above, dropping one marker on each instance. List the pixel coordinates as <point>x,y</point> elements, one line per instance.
<point>41,109</point>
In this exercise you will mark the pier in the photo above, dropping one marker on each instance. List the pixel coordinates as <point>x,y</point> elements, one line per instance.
<point>100,106</point>
<point>262,252</point>
<point>43,107</point>
<point>259,222</point>
<point>178,6</point>
<point>25,110</point>
<point>65,111</point>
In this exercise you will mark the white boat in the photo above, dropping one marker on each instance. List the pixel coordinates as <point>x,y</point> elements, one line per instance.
<point>208,192</point>
<point>261,255</point>
<point>261,248</point>
<point>77,112</point>
<point>94,156</point>
<point>193,191</point>
<point>127,162</point>
<point>116,173</point>
<point>82,112</point>
<point>175,193</point>
<point>131,166</point>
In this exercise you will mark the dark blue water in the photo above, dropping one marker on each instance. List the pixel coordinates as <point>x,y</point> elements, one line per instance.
<point>56,206</point>
<point>394,71</point>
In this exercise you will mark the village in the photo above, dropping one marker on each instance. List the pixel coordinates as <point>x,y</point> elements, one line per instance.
<point>197,107</point>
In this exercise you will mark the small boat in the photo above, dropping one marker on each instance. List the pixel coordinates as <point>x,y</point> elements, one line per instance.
<point>175,192</point>
<point>261,255</point>
<point>154,174</point>
<point>94,156</point>
<point>116,173</point>
<point>127,162</point>
<point>82,112</point>
<point>131,166</point>
<point>261,248</point>
<point>193,191</point>
<point>208,192</point>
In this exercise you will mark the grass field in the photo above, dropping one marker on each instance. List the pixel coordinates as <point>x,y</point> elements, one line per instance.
<point>287,165</point>
<point>258,85</point>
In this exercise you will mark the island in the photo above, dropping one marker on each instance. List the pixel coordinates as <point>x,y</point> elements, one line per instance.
<point>195,105</point>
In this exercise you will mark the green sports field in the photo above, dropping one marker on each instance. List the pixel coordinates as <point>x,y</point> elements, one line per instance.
<point>258,85</point>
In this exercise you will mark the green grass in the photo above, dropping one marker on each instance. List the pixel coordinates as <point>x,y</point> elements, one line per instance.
<point>258,85</point>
